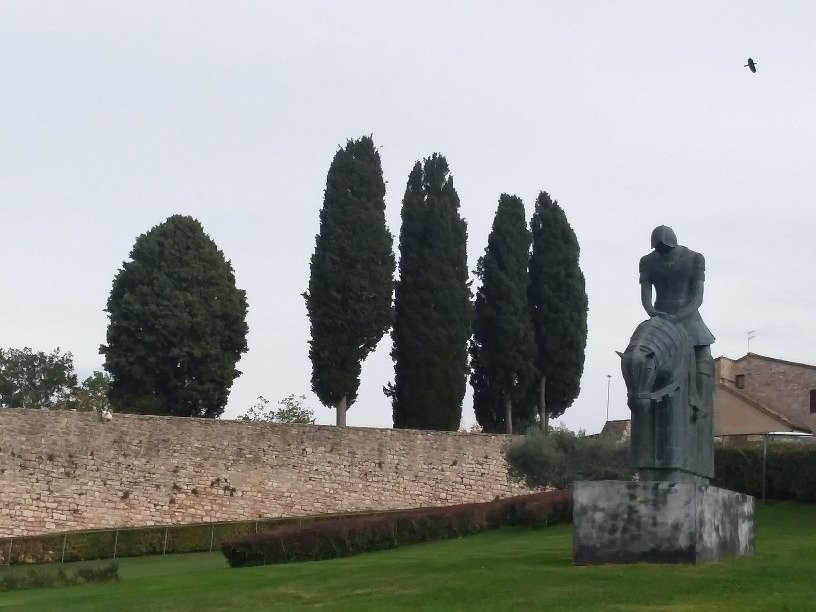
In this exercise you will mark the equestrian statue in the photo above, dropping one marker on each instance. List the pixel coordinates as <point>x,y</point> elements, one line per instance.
<point>668,368</point>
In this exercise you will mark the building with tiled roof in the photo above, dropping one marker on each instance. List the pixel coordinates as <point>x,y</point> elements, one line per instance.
<point>755,395</point>
<point>759,392</point>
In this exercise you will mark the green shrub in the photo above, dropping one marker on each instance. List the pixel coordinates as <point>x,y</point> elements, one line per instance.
<point>345,536</point>
<point>562,457</point>
<point>188,538</point>
<point>32,549</point>
<point>101,573</point>
<point>135,542</point>
<point>139,542</point>
<point>38,578</point>
<point>192,538</point>
<point>87,546</point>
<point>791,470</point>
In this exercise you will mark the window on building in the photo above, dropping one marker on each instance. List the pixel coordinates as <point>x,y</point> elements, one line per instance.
<point>740,380</point>
<point>813,401</point>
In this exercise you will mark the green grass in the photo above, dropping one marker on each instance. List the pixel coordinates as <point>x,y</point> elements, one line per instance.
<point>509,568</point>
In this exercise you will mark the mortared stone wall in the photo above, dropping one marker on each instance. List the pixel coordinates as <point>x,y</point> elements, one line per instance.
<point>62,470</point>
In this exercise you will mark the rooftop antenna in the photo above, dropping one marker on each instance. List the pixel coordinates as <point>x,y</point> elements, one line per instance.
<point>751,335</point>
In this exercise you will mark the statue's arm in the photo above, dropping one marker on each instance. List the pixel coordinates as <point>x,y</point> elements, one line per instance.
<point>646,298</point>
<point>646,289</point>
<point>696,289</point>
<point>695,300</point>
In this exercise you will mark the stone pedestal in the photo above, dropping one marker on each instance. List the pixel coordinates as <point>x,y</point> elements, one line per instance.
<point>616,521</point>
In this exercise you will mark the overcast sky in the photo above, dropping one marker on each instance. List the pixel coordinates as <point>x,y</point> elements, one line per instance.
<point>116,115</point>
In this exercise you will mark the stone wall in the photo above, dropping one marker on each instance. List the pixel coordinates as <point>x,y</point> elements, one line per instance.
<point>782,386</point>
<point>66,470</point>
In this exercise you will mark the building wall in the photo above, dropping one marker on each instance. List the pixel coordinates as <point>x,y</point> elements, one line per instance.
<point>781,386</point>
<point>64,470</point>
<point>734,416</point>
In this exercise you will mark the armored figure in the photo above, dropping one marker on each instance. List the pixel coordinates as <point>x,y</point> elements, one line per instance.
<point>678,275</point>
<point>668,368</point>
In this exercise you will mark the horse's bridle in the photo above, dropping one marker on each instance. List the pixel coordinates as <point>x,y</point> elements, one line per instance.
<point>670,389</point>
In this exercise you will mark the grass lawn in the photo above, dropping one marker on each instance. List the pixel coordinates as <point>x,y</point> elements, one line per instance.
<point>503,569</point>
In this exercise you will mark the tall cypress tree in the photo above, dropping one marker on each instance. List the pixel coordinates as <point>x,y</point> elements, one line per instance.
<point>558,304</point>
<point>177,324</point>
<point>503,347</point>
<point>352,275</point>
<point>432,303</point>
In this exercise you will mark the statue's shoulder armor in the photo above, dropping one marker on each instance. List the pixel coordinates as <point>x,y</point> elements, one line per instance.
<point>649,261</point>
<point>699,260</point>
<point>689,260</point>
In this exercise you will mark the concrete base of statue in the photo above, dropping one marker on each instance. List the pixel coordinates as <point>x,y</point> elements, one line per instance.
<point>617,521</point>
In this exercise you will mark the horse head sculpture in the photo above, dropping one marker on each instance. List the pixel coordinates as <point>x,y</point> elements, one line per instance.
<point>658,367</point>
<point>655,363</point>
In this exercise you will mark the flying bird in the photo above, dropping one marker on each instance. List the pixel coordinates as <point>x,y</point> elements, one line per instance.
<point>751,64</point>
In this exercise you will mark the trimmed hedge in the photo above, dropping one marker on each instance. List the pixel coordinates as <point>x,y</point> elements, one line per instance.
<point>342,537</point>
<point>132,542</point>
<point>11,580</point>
<point>538,461</point>
<point>791,470</point>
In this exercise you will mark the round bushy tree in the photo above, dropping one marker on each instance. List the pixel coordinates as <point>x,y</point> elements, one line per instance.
<point>352,275</point>
<point>503,347</point>
<point>432,303</point>
<point>35,380</point>
<point>558,304</point>
<point>177,324</point>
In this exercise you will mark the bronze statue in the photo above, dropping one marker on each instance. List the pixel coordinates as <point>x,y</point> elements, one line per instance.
<point>668,368</point>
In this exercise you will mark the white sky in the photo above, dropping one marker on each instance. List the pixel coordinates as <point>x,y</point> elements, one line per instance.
<point>115,115</point>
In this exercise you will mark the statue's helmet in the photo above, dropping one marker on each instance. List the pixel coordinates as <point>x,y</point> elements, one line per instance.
<point>665,235</point>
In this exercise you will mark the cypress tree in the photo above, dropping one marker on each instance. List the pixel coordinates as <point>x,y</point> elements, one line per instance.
<point>432,303</point>
<point>177,324</point>
<point>503,347</point>
<point>558,304</point>
<point>352,275</point>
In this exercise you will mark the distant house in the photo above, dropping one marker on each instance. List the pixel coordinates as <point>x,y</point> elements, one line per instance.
<point>759,394</point>
<point>754,395</point>
<point>620,430</point>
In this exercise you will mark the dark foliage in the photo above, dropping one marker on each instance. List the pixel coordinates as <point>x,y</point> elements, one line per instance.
<point>177,324</point>
<point>135,542</point>
<point>349,536</point>
<point>503,346</point>
<point>791,468</point>
<point>40,578</point>
<point>35,380</point>
<point>352,269</point>
<point>432,303</point>
<point>562,457</point>
<point>91,395</point>
<point>558,304</point>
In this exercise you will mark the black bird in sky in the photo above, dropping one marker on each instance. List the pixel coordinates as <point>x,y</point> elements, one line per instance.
<point>751,64</point>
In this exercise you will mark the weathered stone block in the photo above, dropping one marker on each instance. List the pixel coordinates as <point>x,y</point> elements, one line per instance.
<point>617,521</point>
